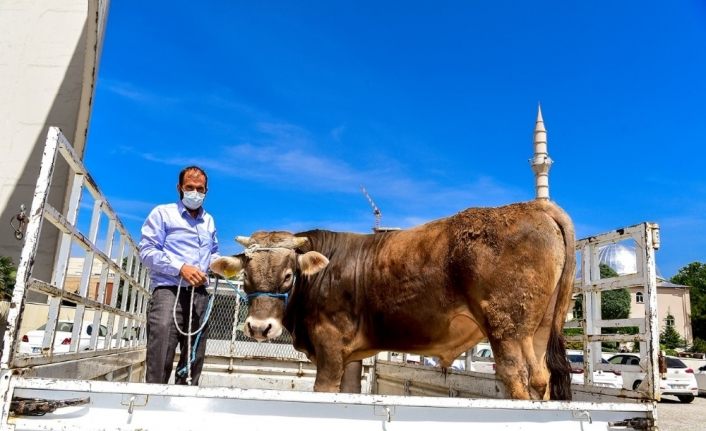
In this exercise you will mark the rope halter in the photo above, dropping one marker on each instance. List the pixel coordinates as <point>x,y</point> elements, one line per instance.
<point>249,252</point>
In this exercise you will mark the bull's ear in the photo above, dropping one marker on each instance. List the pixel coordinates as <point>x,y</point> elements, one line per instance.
<point>312,262</point>
<point>227,266</point>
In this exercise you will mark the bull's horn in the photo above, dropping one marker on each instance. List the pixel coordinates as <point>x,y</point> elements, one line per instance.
<point>299,241</point>
<point>245,240</point>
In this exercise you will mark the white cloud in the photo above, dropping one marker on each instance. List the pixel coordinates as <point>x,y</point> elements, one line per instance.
<point>338,132</point>
<point>289,167</point>
<point>129,209</point>
<point>135,94</point>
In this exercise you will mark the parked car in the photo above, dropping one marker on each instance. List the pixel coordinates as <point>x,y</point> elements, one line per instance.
<point>458,364</point>
<point>485,352</point>
<point>31,342</point>
<point>679,379</point>
<point>608,379</point>
<point>483,359</point>
<point>701,379</point>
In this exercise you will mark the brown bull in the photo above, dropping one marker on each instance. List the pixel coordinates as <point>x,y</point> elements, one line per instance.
<point>437,289</point>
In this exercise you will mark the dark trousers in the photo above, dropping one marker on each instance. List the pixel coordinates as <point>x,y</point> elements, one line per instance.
<point>163,337</point>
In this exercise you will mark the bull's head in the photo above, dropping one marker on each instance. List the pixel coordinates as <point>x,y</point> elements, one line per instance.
<point>271,264</point>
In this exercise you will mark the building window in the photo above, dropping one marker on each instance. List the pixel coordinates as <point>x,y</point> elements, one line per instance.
<point>670,320</point>
<point>639,298</point>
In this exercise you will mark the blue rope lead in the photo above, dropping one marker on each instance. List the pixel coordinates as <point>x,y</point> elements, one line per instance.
<point>284,296</point>
<point>183,371</point>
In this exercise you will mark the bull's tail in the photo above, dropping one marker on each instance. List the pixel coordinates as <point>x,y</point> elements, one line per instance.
<point>560,371</point>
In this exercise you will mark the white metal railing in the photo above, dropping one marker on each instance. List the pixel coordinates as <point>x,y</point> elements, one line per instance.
<point>118,320</point>
<point>590,284</point>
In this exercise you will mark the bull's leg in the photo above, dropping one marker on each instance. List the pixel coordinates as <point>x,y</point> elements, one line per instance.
<point>511,368</point>
<point>538,374</point>
<point>329,372</point>
<point>350,383</point>
<point>329,348</point>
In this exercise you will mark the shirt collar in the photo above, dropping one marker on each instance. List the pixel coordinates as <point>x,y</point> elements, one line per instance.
<point>182,210</point>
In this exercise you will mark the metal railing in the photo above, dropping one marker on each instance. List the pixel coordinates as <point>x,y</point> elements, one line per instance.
<point>644,238</point>
<point>225,332</point>
<point>113,309</point>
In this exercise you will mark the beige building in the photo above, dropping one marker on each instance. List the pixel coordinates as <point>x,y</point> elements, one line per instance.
<point>672,301</point>
<point>48,67</point>
<point>75,271</point>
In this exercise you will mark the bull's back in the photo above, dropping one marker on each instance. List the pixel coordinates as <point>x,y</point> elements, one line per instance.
<point>513,241</point>
<point>405,287</point>
<point>483,263</point>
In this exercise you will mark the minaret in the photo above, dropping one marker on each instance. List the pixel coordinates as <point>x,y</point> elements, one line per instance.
<point>541,162</point>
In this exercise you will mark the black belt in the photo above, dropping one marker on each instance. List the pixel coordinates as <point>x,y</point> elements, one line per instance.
<point>174,286</point>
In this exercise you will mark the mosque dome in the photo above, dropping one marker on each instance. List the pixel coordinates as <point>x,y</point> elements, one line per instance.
<point>621,258</point>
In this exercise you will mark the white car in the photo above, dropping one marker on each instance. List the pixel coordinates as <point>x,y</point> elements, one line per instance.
<point>679,379</point>
<point>701,379</point>
<point>458,364</point>
<point>483,359</point>
<point>608,379</point>
<point>31,343</point>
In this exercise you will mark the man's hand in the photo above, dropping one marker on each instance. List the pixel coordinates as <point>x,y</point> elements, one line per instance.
<point>193,275</point>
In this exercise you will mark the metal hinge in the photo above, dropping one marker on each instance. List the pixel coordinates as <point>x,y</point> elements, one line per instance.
<point>640,424</point>
<point>406,387</point>
<point>22,219</point>
<point>39,407</point>
<point>386,411</point>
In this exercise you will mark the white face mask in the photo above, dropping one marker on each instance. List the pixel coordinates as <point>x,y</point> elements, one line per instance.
<point>193,199</point>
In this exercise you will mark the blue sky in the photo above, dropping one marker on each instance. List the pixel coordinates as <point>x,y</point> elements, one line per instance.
<point>292,106</point>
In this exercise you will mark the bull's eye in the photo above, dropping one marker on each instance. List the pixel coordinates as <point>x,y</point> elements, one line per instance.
<point>287,277</point>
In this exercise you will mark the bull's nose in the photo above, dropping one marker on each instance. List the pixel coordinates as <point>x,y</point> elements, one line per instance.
<point>262,329</point>
<point>259,332</point>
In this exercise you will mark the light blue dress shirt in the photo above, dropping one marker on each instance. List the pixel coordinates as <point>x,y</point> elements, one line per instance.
<point>171,237</point>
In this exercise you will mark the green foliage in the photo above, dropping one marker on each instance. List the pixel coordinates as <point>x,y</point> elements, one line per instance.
<point>8,274</point>
<point>575,345</point>
<point>606,271</point>
<point>698,346</point>
<point>694,275</point>
<point>669,337</point>
<point>615,304</point>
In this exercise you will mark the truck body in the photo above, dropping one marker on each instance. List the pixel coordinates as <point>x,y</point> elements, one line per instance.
<point>266,385</point>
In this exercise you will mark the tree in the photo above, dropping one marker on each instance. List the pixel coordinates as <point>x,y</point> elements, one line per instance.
<point>615,304</point>
<point>8,274</point>
<point>694,276</point>
<point>669,337</point>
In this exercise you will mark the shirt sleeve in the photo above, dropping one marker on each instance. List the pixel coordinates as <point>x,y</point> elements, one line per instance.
<point>214,245</point>
<point>151,246</point>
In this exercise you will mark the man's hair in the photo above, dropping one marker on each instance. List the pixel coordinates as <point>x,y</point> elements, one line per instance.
<point>192,168</point>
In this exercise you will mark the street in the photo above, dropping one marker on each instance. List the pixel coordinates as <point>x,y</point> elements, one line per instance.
<point>675,416</point>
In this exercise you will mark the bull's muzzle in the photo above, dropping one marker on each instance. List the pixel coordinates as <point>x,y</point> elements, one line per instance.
<point>262,329</point>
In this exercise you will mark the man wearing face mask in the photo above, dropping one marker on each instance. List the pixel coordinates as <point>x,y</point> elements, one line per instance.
<point>178,244</point>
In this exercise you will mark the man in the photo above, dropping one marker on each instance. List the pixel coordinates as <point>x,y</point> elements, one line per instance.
<point>178,244</point>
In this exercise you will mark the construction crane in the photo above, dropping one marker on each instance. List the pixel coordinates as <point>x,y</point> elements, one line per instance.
<point>376,211</point>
